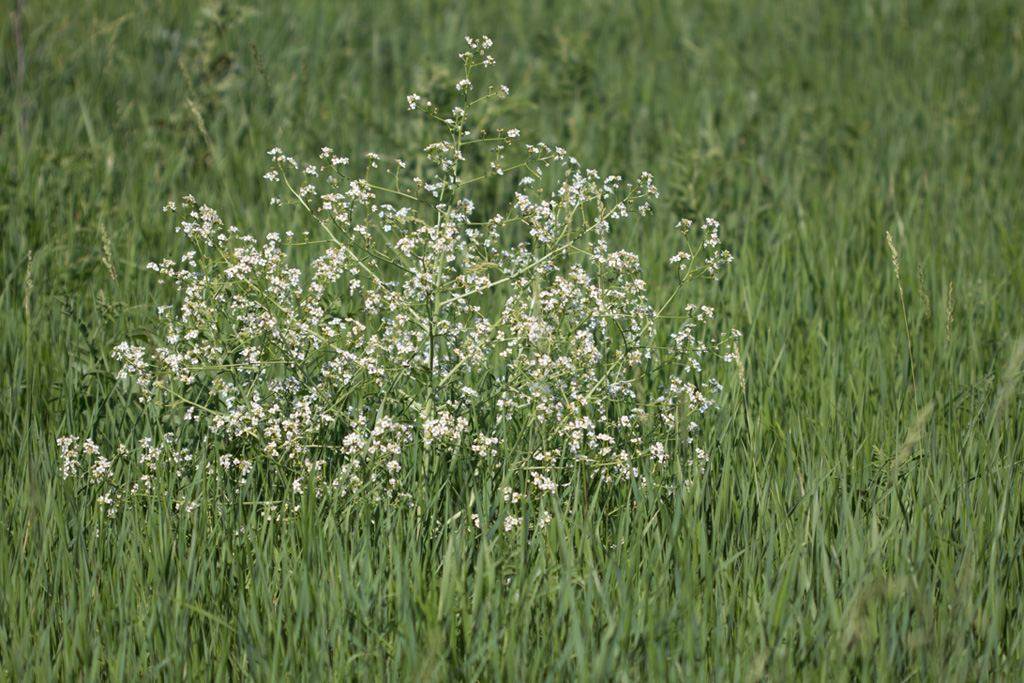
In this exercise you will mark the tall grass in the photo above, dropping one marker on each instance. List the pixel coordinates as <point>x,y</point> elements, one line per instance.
<point>853,525</point>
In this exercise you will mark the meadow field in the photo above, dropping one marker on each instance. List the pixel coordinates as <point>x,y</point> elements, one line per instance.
<point>861,512</point>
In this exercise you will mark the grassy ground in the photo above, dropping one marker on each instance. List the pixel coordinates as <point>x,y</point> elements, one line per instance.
<point>863,517</point>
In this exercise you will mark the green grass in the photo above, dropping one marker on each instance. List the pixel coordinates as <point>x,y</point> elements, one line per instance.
<point>863,517</point>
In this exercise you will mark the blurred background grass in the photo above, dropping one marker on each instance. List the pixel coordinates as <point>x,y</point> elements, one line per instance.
<point>859,522</point>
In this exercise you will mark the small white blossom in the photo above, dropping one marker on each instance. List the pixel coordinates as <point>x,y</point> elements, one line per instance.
<point>414,325</point>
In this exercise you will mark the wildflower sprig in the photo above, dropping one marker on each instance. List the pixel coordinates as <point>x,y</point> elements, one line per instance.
<point>423,333</point>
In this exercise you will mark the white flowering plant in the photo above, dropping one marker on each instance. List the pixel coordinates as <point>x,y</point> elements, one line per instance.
<point>421,334</point>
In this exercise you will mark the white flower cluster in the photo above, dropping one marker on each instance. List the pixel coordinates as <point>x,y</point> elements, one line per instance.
<point>421,333</point>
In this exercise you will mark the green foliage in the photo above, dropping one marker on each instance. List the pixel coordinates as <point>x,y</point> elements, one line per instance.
<point>854,524</point>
